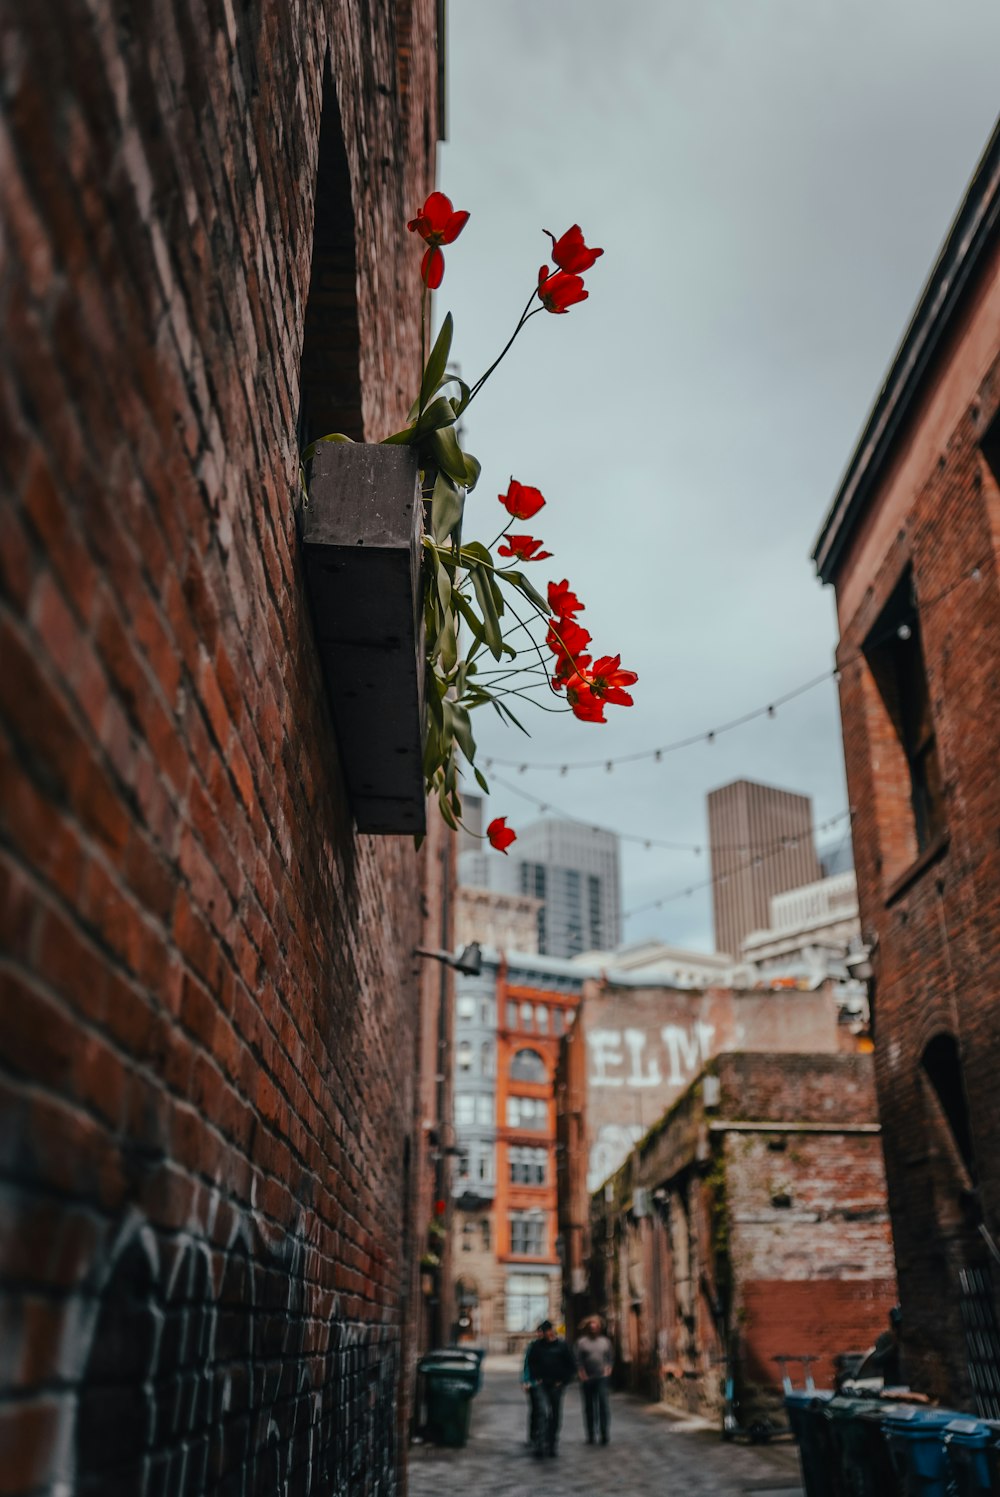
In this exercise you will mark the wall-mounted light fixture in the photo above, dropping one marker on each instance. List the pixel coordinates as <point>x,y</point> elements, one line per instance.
<point>468,961</point>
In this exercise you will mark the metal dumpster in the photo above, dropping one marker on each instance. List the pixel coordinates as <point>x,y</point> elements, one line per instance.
<point>805,1415</point>
<point>450,1383</point>
<point>967,1445</point>
<point>916,1446</point>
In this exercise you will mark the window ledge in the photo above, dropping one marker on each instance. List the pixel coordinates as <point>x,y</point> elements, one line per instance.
<point>930,855</point>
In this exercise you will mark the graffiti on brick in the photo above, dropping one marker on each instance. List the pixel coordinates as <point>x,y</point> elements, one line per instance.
<point>632,1058</point>
<point>206,1369</point>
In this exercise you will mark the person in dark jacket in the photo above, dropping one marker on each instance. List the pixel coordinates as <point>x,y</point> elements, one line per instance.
<point>550,1365</point>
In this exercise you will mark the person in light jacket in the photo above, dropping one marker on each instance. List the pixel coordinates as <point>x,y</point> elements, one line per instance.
<point>595,1357</point>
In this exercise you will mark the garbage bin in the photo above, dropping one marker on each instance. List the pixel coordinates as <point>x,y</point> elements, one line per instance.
<point>450,1381</point>
<point>916,1447</point>
<point>476,1354</point>
<point>805,1415</point>
<point>860,1464</point>
<point>967,1443</point>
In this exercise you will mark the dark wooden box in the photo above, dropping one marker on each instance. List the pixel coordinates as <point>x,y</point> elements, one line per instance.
<point>361,538</point>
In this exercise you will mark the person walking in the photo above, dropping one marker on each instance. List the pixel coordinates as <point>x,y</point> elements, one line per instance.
<point>528,1385</point>
<point>595,1357</point>
<point>550,1365</point>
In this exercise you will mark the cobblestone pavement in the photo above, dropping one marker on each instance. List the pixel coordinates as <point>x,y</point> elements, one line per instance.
<point>652,1451</point>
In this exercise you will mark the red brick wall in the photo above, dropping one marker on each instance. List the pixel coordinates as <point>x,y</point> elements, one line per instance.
<point>795,1317</point>
<point>936,923</point>
<point>209,1013</point>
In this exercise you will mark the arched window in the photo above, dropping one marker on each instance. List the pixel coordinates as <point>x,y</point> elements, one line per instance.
<point>942,1065</point>
<point>528,1065</point>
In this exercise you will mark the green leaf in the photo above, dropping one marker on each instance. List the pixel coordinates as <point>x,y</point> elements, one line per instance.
<point>437,363</point>
<point>402,438</point>
<point>448,644</point>
<point>466,395</point>
<point>473,468</point>
<point>520,581</point>
<point>466,610</point>
<point>476,551</point>
<point>488,609</point>
<point>439,413</point>
<point>505,711</point>
<point>462,729</point>
<point>444,449</point>
<point>481,781</point>
<point>447,507</point>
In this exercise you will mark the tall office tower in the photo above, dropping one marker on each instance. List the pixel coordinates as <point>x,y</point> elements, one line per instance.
<point>761,843</point>
<point>573,869</point>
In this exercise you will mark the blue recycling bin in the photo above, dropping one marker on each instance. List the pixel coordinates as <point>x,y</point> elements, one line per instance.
<point>916,1446</point>
<point>805,1415</point>
<point>967,1446</point>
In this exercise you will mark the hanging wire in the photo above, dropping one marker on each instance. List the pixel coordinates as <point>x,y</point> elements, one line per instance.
<point>760,855</point>
<point>709,735</point>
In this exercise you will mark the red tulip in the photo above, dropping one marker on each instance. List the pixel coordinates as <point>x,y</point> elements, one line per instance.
<point>607,680</point>
<point>524,547</point>
<point>432,268</point>
<point>521,500</point>
<point>500,835</point>
<point>567,640</point>
<point>570,253</point>
<point>437,222</point>
<point>559,291</point>
<point>564,603</point>
<point>584,704</point>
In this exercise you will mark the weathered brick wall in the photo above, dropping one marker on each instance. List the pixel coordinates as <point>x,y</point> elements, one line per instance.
<point>208,1016</point>
<point>936,922</point>
<point>726,1237</point>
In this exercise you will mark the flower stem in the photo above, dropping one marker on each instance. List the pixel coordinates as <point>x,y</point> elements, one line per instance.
<point>524,317</point>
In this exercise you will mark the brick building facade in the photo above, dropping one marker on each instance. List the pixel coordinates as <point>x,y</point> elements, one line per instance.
<point>750,1223</point>
<point>215,1145</point>
<point>911,547</point>
<point>632,1052</point>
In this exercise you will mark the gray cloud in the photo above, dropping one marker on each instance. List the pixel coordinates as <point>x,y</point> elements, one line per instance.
<point>770,180</point>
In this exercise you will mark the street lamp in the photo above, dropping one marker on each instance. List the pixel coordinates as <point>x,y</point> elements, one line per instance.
<point>468,961</point>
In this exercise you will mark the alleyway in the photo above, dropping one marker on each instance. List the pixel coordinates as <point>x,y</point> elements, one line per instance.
<point>652,1454</point>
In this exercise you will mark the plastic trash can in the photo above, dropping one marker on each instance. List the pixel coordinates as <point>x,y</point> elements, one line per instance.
<point>916,1447</point>
<point>475,1353</point>
<point>805,1415</point>
<point>967,1443</point>
<point>450,1382</point>
<point>859,1458</point>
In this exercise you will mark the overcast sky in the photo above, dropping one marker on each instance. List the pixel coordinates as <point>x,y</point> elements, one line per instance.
<point>771,181</point>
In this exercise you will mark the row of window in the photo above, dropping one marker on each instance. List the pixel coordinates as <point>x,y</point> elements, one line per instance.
<point>526,1165</point>
<point>536,1018</point>
<point>531,1113</point>
<point>527,1065</point>
<point>527,1233</point>
<point>527,1300</point>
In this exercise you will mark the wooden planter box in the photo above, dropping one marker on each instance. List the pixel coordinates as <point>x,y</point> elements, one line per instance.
<point>361,539</point>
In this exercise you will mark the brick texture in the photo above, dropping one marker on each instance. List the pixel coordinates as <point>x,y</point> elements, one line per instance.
<point>748,1226</point>
<point>935,920</point>
<point>210,1151</point>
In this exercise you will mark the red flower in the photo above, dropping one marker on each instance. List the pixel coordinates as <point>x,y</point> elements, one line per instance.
<point>432,268</point>
<point>607,680</point>
<point>500,835</point>
<point>437,222</point>
<point>559,291</point>
<point>570,253</point>
<point>524,547</point>
<point>580,695</point>
<point>567,640</point>
<point>521,500</point>
<point>564,604</point>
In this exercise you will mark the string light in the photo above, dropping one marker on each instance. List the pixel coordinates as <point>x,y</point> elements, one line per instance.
<point>768,709</point>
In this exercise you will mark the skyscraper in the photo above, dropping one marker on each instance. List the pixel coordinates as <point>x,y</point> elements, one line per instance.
<point>761,843</point>
<point>574,869</point>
